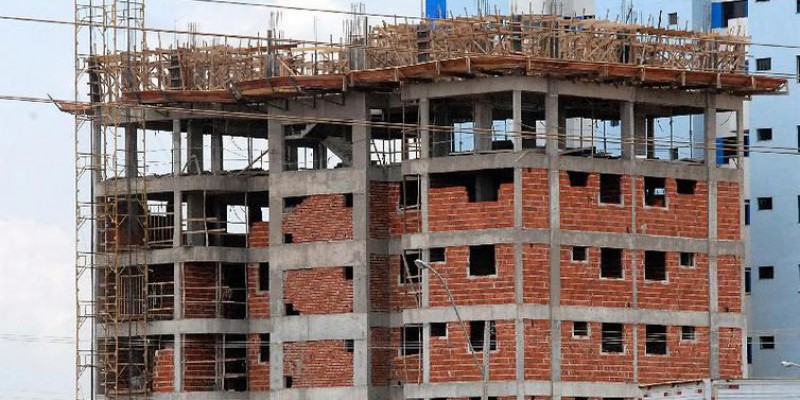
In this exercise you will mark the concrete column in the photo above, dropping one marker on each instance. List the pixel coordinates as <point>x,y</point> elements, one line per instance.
<point>216,149</point>
<point>740,139</point>
<point>519,323</point>
<point>177,198</point>
<point>176,147</point>
<point>516,105</point>
<point>276,143</point>
<point>424,131</point>
<point>627,125</point>
<point>640,132</point>
<point>552,119</point>
<point>483,125</point>
<point>650,149</point>
<point>131,151</point>
<point>710,132</point>
<point>361,273</point>
<point>177,360</point>
<point>195,146</point>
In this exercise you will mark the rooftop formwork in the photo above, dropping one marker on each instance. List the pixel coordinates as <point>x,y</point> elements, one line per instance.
<point>249,215</point>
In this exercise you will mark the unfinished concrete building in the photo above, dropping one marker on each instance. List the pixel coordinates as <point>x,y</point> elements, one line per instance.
<point>250,215</point>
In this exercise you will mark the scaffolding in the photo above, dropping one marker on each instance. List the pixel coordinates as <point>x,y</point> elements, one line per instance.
<point>111,226</point>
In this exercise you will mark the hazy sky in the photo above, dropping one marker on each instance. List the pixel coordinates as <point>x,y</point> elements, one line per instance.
<point>36,173</point>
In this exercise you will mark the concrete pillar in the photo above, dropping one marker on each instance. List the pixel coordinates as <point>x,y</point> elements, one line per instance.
<point>627,125</point>
<point>516,105</point>
<point>424,131</point>
<point>710,135</point>
<point>195,146</point>
<point>176,147</point>
<point>177,198</point>
<point>177,360</point>
<point>651,137</point>
<point>483,125</point>
<point>131,151</point>
<point>97,152</point>
<point>740,139</point>
<point>640,133</point>
<point>216,149</point>
<point>276,143</point>
<point>361,273</point>
<point>552,118</point>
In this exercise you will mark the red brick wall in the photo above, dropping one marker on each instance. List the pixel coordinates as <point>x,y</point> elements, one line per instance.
<point>257,300</point>
<point>319,218</point>
<point>685,360</point>
<point>729,276</point>
<point>536,273</point>
<point>474,290</point>
<point>686,287</point>
<point>728,209</point>
<point>452,362</point>
<point>581,209</point>
<point>318,291</point>
<point>199,354</point>
<point>199,290</point>
<point>386,292</point>
<point>449,209</point>
<point>582,360</point>
<point>581,284</point>
<point>257,371</point>
<point>382,357</point>
<point>164,371</point>
<point>259,234</point>
<point>535,199</point>
<point>323,363</point>
<point>730,352</point>
<point>537,349</point>
<point>386,217</point>
<point>685,215</point>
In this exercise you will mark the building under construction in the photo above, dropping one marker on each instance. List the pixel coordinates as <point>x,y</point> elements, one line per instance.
<point>250,214</point>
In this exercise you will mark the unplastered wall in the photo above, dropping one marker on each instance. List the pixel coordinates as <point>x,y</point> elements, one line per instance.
<point>319,218</point>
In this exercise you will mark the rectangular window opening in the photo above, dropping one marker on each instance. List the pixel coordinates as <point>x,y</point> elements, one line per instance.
<point>766,272</point>
<point>764,134</point>
<point>687,260</point>
<point>610,189</point>
<point>655,266</point>
<point>409,271</point>
<point>288,381</point>
<point>410,194</point>
<point>290,310</point>
<point>348,200</point>
<point>686,186</point>
<point>655,192</point>
<point>579,253</point>
<point>763,64</point>
<point>749,350</point>
<point>613,338</point>
<point>611,263</point>
<point>263,277</point>
<point>688,333</point>
<point>348,273</point>
<point>655,339</point>
<point>476,331</point>
<point>764,203</point>
<point>673,18</point>
<point>578,179</point>
<point>349,345</point>
<point>485,185</point>
<point>438,329</point>
<point>437,254</point>
<point>747,212</point>
<point>766,342</point>
<point>580,329</point>
<point>747,279</point>
<point>292,202</point>
<point>263,355</point>
<point>412,340</point>
<point>482,260</point>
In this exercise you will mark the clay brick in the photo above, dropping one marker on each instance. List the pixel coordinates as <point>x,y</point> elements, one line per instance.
<point>323,363</point>
<point>451,360</point>
<point>257,371</point>
<point>728,211</point>
<point>582,360</point>
<point>686,288</point>
<point>685,360</point>
<point>449,209</point>
<point>164,371</point>
<point>257,300</point>
<point>686,215</point>
<point>319,218</point>
<point>581,284</point>
<point>535,199</point>
<point>581,209</point>
<point>729,283</point>
<point>318,291</point>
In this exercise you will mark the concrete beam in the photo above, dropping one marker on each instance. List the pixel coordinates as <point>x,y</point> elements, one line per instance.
<point>303,328</point>
<point>331,181</point>
<point>319,255</point>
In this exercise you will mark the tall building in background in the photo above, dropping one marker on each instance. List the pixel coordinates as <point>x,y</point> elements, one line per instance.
<point>774,283</point>
<point>388,218</point>
<point>772,189</point>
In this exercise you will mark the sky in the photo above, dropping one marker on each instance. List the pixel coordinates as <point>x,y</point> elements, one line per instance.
<point>37,213</point>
